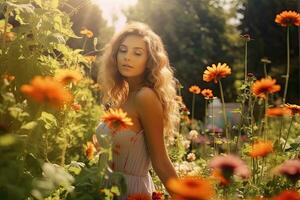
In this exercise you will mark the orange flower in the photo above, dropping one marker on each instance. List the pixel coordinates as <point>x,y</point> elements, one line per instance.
<point>194,89</point>
<point>9,36</point>
<point>87,33</point>
<point>216,72</point>
<point>195,188</point>
<point>76,107</point>
<point>47,90</point>
<point>66,76</point>
<point>8,77</point>
<point>261,149</point>
<point>140,196</point>
<point>293,108</point>
<point>287,18</point>
<point>116,119</point>
<point>207,93</point>
<point>277,112</point>
<point>264,86</point>
<point>90,150</point>
<point>288,195</point>
<point>217,174</point>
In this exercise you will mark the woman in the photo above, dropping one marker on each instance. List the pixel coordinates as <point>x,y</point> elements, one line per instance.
<point>136,76</point>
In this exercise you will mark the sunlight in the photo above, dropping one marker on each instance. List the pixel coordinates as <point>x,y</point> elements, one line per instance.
<point>113,11</point>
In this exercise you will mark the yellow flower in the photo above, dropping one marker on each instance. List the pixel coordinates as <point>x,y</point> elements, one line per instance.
<point>87,33</point>
<point>90,59</point>
<point>66,76</point>
<point>116,119</point>
<point>194,89</point>
<point>216,72</point>
<point>264,86</point>
<point>195,188</point>
<point>287,18</point>
<point>47,90</point>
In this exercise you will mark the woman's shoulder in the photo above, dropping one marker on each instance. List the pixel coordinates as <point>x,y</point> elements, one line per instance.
<point>146,96</point>
<point>145,92</point>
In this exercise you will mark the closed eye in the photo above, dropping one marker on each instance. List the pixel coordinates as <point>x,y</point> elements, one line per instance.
<point>122,49</point>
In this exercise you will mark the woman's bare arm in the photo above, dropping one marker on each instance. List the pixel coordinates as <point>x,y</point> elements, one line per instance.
<point>151,115</point>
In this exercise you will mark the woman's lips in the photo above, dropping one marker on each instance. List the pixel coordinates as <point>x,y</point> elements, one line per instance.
<point>127,66</point>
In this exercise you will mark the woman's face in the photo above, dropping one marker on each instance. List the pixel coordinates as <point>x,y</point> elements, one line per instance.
<point>132,56</point>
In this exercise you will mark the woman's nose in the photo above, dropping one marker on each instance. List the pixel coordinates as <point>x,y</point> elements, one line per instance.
<point>127,56</point>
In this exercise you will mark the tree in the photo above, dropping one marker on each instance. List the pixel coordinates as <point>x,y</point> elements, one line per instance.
<point>269,40</point>
<point>195,34</point>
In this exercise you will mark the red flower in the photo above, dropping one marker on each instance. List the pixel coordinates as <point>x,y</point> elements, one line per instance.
<point>288,195</point>
<point>157,196</point>
<point>139,196</point>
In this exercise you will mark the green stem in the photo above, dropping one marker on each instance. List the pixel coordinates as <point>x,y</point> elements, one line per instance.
<point>193,106</point>
<point>253,170</point>
<point>288,133</point>
<point>266,118</point>
<point>246,55</point>
<point>252,117</point>
<point>280,130</point>
<point>205,113</point>
<point>288,64</point>
<point>213,127</point>
<point>5,29</point>
<point>265,70</point>
<point>262,169</point>
<point>224,115</point>
<point>84,43</point>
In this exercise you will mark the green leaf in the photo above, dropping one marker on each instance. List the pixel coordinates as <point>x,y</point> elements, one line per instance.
<point>115,190</point>
<point>95,42</point>
<point>49,120</point>
<point>21,7</point>
<point>7,140</point>
<point>29,126</point>
<point>17,113</point>
<point>54,3</point>
<point>38,2</point>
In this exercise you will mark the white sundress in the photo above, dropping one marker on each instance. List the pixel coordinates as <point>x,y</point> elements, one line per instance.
<point>130,156</point>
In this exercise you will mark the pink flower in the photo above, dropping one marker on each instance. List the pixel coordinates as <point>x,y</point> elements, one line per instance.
<point>229,165</point>
<point>290,168</point>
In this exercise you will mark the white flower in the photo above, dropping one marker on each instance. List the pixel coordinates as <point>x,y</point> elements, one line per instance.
<point>191,157</point>
<point>186,144</point>
<point>193,134</point>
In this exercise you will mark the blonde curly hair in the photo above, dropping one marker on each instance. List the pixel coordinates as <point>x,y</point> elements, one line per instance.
<point>159,75</point>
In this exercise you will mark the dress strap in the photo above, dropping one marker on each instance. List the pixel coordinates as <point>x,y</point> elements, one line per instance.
<point>141,131</point>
